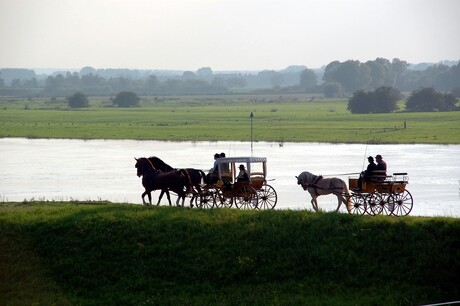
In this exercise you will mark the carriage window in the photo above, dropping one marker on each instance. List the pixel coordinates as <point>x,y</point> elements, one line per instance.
<point>257,169</point>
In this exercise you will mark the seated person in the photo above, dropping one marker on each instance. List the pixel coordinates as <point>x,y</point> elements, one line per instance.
<point>213,174</point>
<point>381,165</point>
<point>365,175</point>
<point>243,176</point>
<point>224,166</point>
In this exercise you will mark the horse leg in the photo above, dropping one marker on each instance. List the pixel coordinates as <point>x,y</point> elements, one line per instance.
<point>178,199</point>
<point>195,195</point>
<point>168,196</point>
<point>339,202</point>
<point>161,196</point>
<point>150,197</point>
<point>314,203</point>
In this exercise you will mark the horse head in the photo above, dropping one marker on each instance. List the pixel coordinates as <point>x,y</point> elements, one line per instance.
<point>304,179</point>
<point>143,166</point>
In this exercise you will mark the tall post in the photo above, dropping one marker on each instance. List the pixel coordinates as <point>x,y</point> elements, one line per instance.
<point>251,116</point>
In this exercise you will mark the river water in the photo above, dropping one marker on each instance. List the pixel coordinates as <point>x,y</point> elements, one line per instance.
<point>62,169</point>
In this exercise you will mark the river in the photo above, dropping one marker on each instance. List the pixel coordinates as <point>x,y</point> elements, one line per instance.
<point>63,169</point>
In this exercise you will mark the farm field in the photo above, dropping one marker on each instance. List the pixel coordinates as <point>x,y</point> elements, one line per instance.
<point>293,118</point>
<point>100,253</point>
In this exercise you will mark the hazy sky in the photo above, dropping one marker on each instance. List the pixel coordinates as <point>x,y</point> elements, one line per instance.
<point>224,34</point>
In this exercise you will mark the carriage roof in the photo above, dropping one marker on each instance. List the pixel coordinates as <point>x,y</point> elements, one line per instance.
<point>227,160</point>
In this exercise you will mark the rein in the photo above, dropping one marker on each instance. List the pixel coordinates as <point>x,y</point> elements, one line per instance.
<point>151,164</point>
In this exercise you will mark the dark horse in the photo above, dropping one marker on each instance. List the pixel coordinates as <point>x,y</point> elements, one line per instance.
<point>195,176</point>
<point>155,179</point>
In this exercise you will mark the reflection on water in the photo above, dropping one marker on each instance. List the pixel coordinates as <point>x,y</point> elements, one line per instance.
<point>104,169</point>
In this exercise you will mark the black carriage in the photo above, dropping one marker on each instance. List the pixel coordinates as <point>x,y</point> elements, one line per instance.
<point>381,194</point>
<point>225,191</point>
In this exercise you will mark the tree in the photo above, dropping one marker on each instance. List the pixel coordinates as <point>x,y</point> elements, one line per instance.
<point>78,100</point>
<point>379,71</point>
<point>308,79</point>
<point>382,100</point>
<point>204,73</point>
<point>428,100</point>
<point>455,91</point>
<point>126,99</point>
<point>360,103</point>
<point>333,90</point>
<point>352,75</point>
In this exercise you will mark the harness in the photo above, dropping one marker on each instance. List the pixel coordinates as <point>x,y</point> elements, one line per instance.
<point>314,183</point>
<point>316,180</point>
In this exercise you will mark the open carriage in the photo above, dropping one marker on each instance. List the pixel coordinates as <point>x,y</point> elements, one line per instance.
<point>381,194</point>
<point>225,191</point>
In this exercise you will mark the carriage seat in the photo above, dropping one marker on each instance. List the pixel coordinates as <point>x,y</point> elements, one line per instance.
<point>378,176</point>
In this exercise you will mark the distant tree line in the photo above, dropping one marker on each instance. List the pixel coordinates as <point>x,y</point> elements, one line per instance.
<point>337,79</point>
<point>341,79</point>
<point>384,100</point>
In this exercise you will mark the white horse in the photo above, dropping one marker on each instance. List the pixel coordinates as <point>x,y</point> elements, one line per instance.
<point>316,185</point>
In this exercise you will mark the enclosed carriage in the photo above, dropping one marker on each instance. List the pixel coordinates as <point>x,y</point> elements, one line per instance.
<point>224,191</point>
<point>381,194</point>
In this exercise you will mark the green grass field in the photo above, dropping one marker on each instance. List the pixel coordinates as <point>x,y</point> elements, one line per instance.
<point>289,118</point>
<point>116,254</point>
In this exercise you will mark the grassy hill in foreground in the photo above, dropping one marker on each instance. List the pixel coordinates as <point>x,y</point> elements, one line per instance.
<point>118,254</point>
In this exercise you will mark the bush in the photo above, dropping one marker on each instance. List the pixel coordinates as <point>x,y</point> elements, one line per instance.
<point>429,100</point>
<point>78,100</point>
<point>382,100</point>
<point>126,99</point>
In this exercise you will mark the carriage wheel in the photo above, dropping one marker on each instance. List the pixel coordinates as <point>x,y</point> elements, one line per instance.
<point>246,197</point>
<point>206,199</point>
<point>386,208</point>
<point>221,201</point>
<point>358,204</point>
<point>374,203</point>
<point>401,203</point>
<point>267,197</point>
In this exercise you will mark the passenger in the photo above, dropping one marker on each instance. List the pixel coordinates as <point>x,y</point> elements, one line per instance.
<point>365,175</point>
<point>224,166</point>
<point>243,175</point>
<point>213,174</point>
<point>381,164</point>
<point>214,167</point>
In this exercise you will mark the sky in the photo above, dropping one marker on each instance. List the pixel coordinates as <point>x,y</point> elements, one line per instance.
<point>225,35</point>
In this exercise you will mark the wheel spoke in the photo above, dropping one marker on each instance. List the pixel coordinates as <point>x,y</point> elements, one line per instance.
<point>267,197</point>
<point>358,204</point>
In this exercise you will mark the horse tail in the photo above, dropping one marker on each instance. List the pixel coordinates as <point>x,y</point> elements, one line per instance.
<point>188,180</point>
<point>203,177</point>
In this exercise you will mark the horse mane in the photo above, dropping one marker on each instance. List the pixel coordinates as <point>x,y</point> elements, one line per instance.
<point>159,164</point>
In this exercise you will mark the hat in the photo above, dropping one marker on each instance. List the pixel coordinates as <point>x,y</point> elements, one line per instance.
<point>216,155</point>
<point>241,167</point>
<point>370,158</point>
<point>378,156</point>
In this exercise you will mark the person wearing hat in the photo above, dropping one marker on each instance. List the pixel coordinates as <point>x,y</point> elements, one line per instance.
<point>381,164</point>
<point>365,175</point>
<point>243,175</point>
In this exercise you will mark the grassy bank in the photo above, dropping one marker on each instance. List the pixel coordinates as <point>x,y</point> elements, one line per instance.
<point>114,254</point>
<point>279,119</point>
